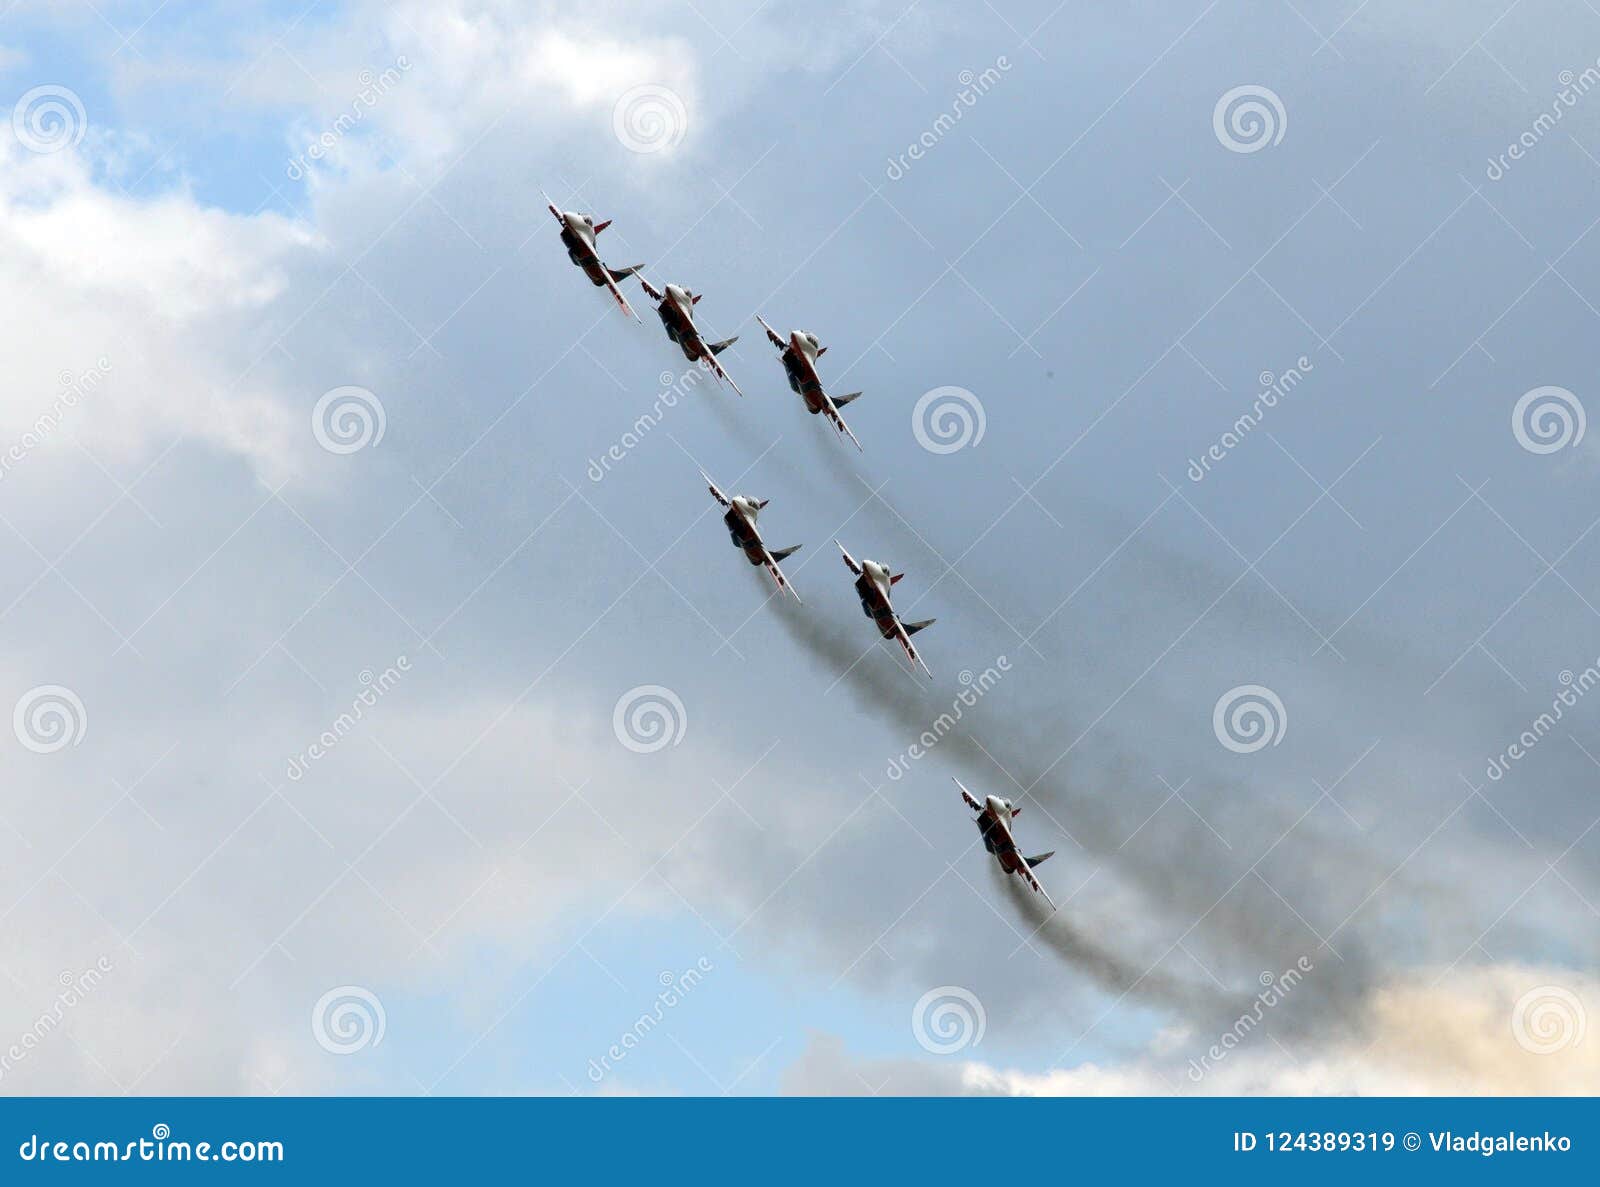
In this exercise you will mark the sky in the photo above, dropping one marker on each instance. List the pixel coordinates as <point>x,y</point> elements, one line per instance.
<point>391,714</point>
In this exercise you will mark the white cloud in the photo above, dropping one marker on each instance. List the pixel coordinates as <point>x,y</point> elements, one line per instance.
<point>1426,1034</point>
<point>169,294</point>
<point>478,65</point>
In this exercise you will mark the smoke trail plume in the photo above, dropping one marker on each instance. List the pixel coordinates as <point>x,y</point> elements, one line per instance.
<point>1246,929</point>
<point>1105,967</point>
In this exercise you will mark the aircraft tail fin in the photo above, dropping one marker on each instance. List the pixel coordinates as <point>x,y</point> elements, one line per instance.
<point>623,273</point>
<point>719,347</point>
<point>841,401</point>
<point>1040,860</point>
<point>913,627</point>
<point>786,552</point>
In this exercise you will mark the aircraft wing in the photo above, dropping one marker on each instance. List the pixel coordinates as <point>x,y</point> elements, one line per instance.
<point>654,293</point>
<point>849,561</point>
<point>972,800</point>
<point>551,206</point>
<point>1032,880</point>
<point>712,487</point>
<point>911,651</point>
<point>721,372</point>
<point>772,334</point>
<point>777,574</point>
<point>838,423</point>
<point>616,292</point>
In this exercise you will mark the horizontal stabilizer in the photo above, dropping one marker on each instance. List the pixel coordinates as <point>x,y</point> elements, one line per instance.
<point>841,401</point>
<point>913,627</point>
<point>623,273</point>
<point>786,552</point>
<point>719,347</point>
<point>1040,860</point>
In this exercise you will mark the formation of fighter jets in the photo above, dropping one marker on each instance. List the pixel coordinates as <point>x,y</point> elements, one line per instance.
<point>799,353</point>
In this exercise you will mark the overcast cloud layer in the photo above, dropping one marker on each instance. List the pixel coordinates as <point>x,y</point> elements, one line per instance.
<point>392,715</point>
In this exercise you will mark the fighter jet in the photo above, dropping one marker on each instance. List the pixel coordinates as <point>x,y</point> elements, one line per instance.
<point>578,232</point>
<point>800,354</point>
<point>676,308</point>
<point>741,521</point>
<point>994,824</point>
<point>872,587</point>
